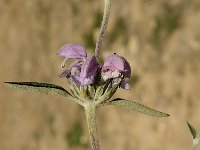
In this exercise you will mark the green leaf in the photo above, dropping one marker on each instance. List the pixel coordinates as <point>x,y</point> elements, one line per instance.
<point>45,88</point>
<point>131,105</point>
<point>192,130</point>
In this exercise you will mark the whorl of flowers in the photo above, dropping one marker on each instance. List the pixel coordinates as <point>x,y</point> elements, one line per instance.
<point>86,72</point>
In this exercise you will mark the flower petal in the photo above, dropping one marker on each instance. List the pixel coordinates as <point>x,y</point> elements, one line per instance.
<point>65,73</point>
<point>108,73</point>
<point>124,85</point>
<point>72,51</point>
<point>85,71</point>
<point>127,69</point>
<point>114,62</point>
<point>89,67</point>
<point>77,64</point>
<point>76,68</point>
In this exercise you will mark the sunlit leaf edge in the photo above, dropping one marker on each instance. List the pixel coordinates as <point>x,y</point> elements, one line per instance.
<point>131,105</point>
<point>45,88</point>
<point>192,130</point>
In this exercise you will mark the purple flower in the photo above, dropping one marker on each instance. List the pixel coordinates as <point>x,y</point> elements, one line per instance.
<point>88,72</point>
<point>83,71</point>
<point>117,68</point>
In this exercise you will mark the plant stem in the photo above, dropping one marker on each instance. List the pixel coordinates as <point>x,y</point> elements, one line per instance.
<point>193,147</point>
<point>92,127</point>
<point>103,27</point>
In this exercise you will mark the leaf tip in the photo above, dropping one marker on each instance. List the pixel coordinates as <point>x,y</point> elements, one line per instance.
<point>7,83</point>
<point>167,115</point>
<point>192,130</point>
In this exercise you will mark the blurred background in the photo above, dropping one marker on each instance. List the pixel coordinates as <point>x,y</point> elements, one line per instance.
<point>160,39</point>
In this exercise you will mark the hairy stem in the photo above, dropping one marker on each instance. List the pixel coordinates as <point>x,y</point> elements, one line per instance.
<point>193,147</point>
<point>103,28</point>
<point>92,127</point>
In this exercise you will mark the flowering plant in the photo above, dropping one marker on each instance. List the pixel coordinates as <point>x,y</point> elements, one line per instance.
<point>92,84</point>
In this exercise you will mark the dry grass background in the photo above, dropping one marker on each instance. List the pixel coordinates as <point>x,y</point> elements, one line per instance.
<point>160,39</point>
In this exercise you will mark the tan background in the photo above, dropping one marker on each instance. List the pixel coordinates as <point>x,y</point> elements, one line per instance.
<point>160,39</point>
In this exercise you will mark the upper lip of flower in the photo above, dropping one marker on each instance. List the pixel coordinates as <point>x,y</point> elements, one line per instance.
<point>72,51</point>
<point>75,51</point>
<point>116,63</point>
